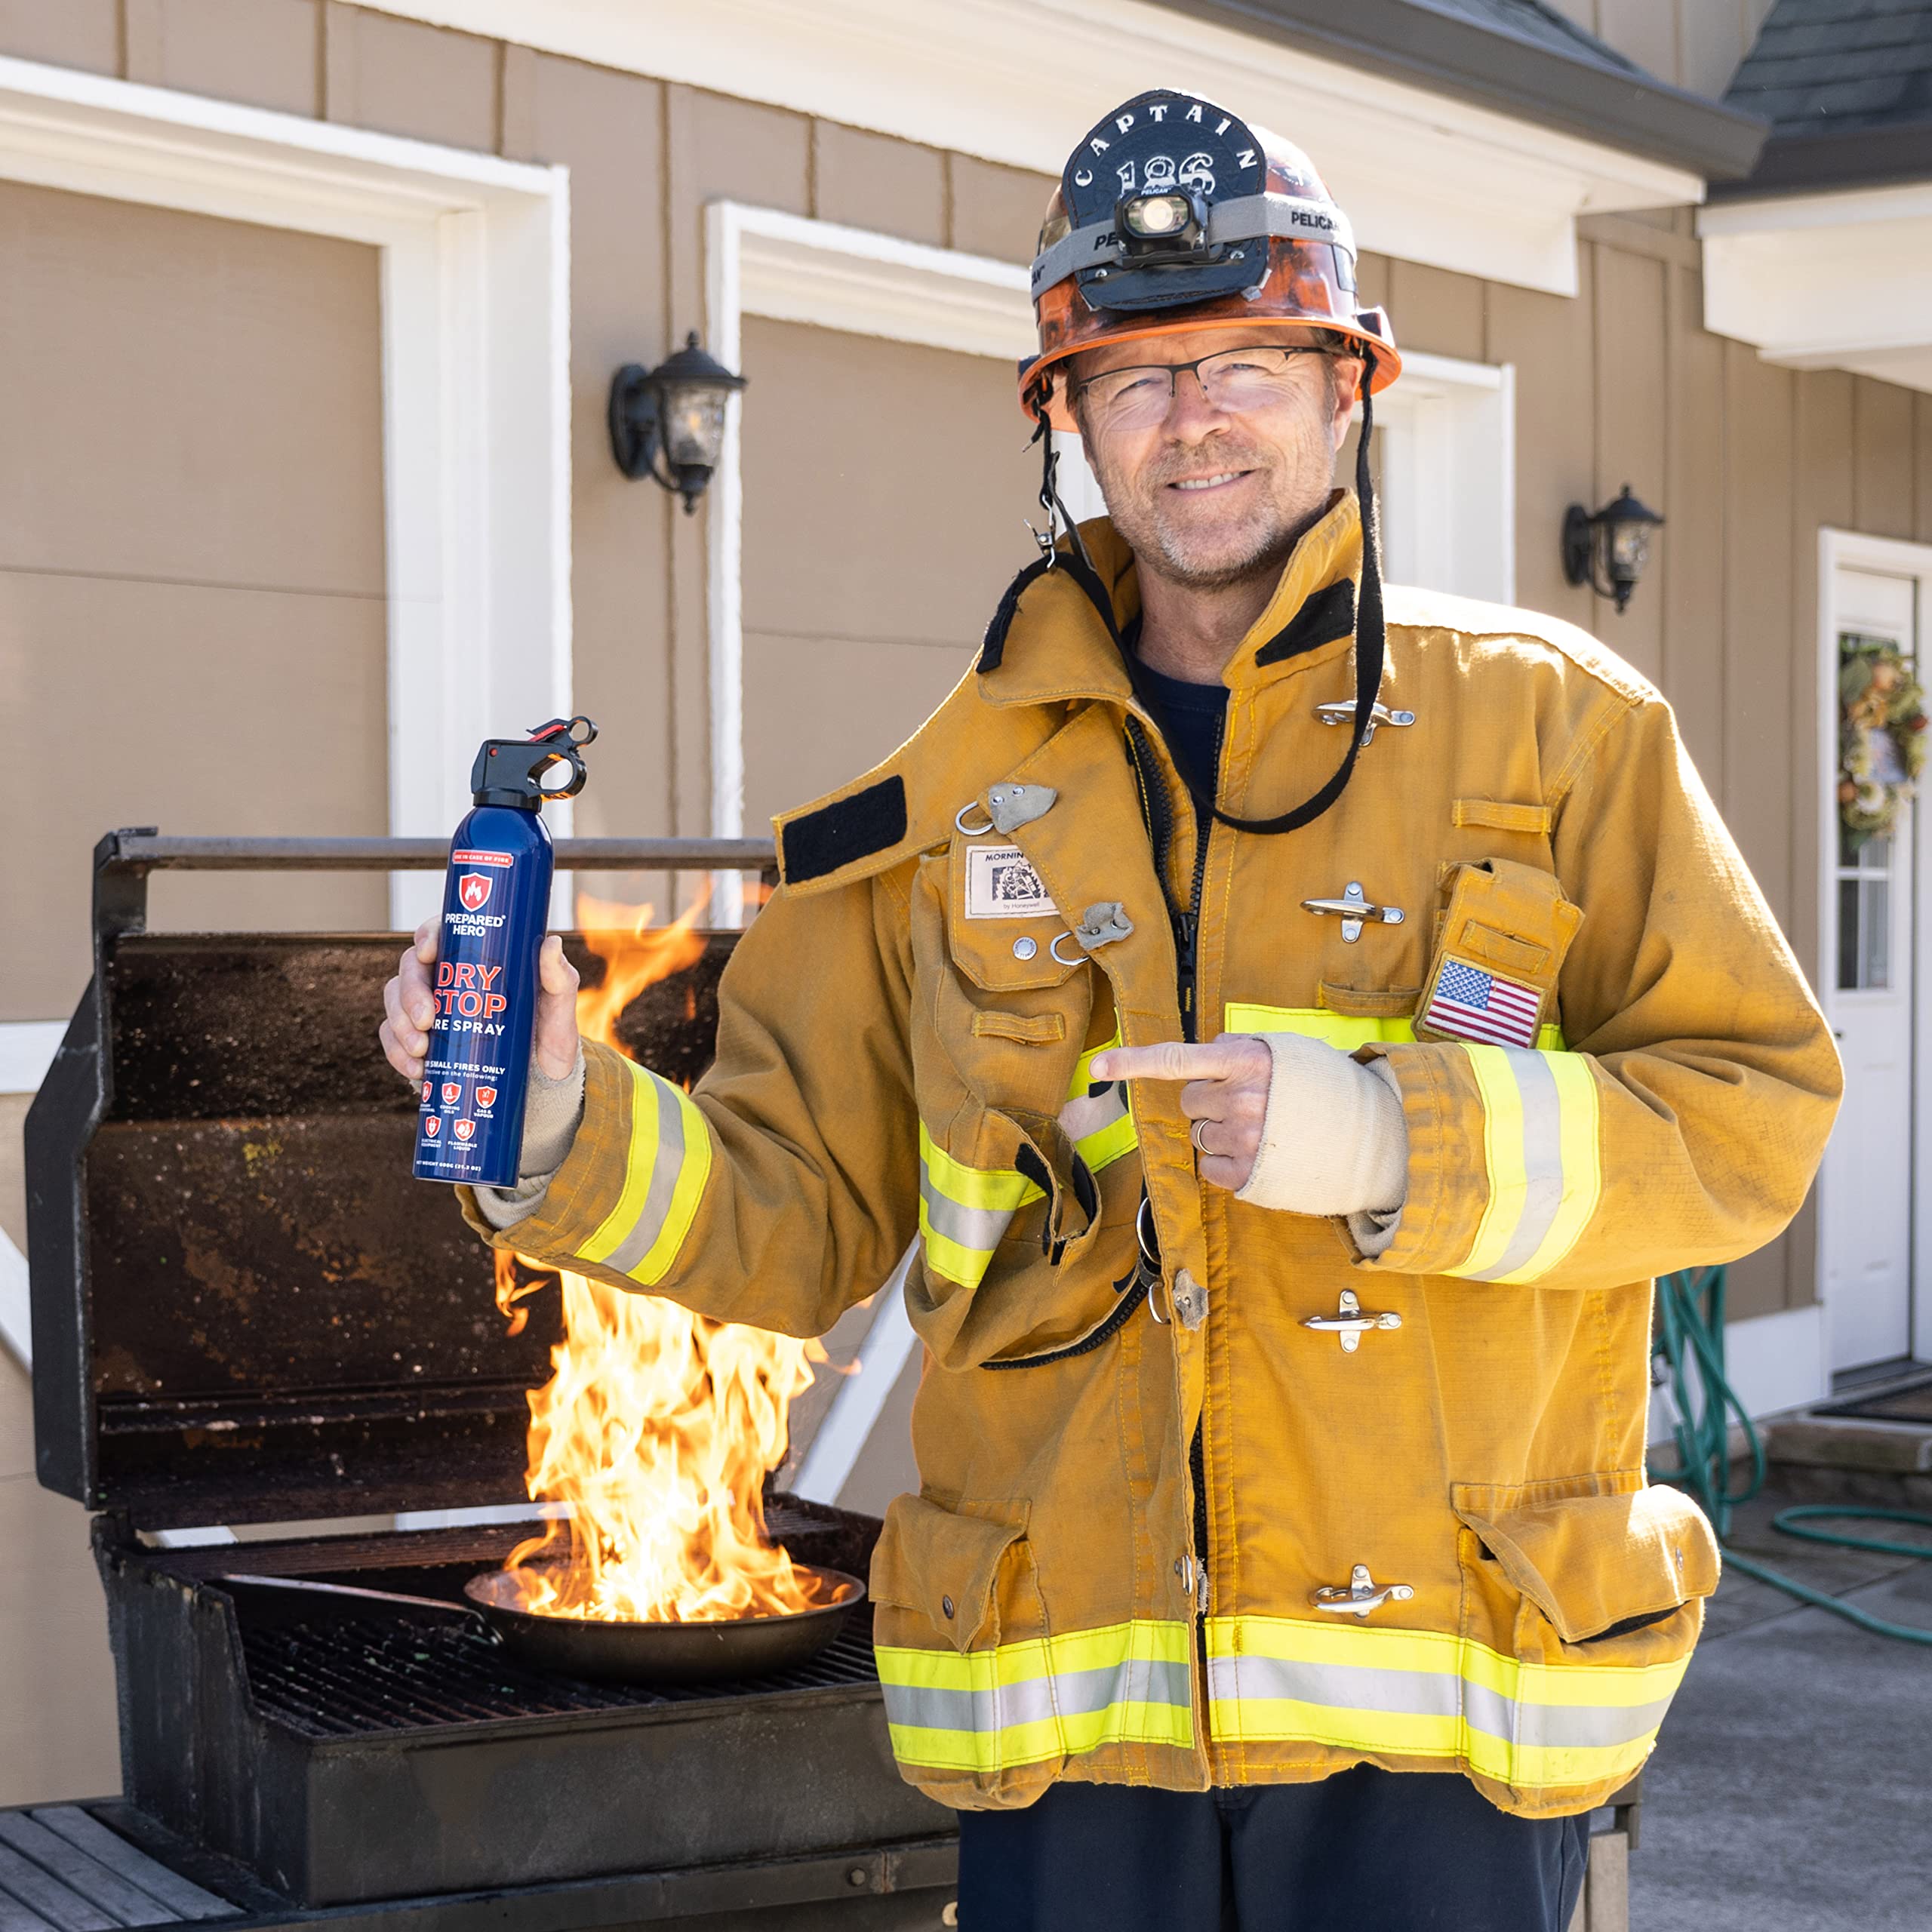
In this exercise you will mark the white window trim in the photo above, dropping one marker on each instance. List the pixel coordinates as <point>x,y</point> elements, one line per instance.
<point>475,302</point>
<point>1448,431</point>
<point>1853,550</point>
<point>788,267</point>
<point>1424,175</point>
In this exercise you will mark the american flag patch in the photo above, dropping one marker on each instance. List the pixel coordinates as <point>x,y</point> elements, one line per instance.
<point>1469,1004</point>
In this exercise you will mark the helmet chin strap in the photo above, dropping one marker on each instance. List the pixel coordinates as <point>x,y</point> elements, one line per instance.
<point>1370,638</point>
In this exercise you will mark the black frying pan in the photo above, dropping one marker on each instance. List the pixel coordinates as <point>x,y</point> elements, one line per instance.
<point>625,1653</point>
<point>694,1652</point>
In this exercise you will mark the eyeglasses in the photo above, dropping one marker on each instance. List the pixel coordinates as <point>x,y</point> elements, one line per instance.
<point>1234,380</point>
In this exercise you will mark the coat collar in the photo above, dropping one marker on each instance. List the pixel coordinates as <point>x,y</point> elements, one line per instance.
<point>1047,644</point>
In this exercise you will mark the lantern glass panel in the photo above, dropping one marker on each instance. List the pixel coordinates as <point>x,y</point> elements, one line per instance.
<point>693,423</point>
<point>1629,550</point>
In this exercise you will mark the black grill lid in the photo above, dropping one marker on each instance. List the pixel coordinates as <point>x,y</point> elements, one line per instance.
<point>245,1309</point>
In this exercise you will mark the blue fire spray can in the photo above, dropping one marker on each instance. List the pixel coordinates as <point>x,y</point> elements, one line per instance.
<point>496,911</point>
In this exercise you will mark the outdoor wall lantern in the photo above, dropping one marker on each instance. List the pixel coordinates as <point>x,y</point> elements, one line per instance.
<point>677,408</point>
<point>1609,551</point>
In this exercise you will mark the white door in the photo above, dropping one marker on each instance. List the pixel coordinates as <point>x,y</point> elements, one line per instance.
<point>1869,1166</point>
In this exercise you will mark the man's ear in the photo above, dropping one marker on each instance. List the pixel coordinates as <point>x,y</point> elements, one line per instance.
<point>1344,372</point>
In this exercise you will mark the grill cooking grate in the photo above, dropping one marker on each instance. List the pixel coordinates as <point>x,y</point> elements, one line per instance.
<point>351,1676</point>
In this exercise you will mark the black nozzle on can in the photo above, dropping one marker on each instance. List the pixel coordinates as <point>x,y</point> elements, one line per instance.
<point>510,772</point>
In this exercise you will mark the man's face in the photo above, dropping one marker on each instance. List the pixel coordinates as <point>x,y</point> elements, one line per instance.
<point>1209,494</point>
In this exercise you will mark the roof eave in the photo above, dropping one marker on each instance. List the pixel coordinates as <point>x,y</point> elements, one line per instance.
<point>1847,158</point>
<point>1448,55</point>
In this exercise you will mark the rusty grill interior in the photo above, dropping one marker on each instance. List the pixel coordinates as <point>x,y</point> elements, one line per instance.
<point>245,1311</point>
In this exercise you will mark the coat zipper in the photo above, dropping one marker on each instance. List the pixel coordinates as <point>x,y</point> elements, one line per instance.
<point>1187,933</point>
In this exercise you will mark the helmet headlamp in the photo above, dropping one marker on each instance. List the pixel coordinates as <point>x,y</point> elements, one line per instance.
<point>1172,223</point>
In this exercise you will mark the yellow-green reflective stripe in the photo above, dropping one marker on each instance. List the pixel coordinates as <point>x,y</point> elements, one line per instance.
<point>1018,1703</point>
<point>964,1211</point>
<point>666,1166</point>
<point>1344,1030</point>
<point>1503,1158</point>
<point>1540,1151</point>
<point>1426,1694</point>
<point>1100,1126</point>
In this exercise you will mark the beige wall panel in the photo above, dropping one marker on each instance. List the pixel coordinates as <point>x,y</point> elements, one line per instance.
<point>820,711</point>
<point>265,52</point>
<point>1759,1284</point>
<point>149,676</point>
<point>1922,469</point>
<point>1436,310</point>
<point>997,211</point>
<point>1711,39</point>
<point>58,1734</point>
<point>873,181</point>
<point>1760,731</point>
<point>1547,337</point>
<point>1632,413</point>
<point>871,566</point>
<point>608,128</point>
<point>13,1168</point>
<point>186,398</point>
<point>1882,441</point>
<point>70,33</point>
<point>715,147</point>
<point>1644,31</point>
<point>1691,591</point>
<point>400,77</point>
<point>1372,280</point>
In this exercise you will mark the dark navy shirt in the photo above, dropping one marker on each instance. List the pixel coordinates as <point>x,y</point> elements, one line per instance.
<point>1190,717</point>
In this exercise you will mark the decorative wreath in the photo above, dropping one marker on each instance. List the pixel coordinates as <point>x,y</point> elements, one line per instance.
<point>1881,735</point>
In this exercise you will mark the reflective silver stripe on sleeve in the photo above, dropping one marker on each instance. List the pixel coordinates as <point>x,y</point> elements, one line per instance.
<point>979,1229</point>
<point>643,1233</point>
<point>1543,1161</point>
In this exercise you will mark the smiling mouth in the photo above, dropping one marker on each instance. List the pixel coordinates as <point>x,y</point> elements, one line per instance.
<point>1219,480</point>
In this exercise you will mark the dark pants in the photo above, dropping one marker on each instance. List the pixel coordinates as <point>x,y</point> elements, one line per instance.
<point>1366,1850</point>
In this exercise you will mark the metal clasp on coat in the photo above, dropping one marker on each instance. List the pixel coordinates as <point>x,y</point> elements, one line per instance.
<point>1099,925</point>
<point>1342,710</point>
<point>1351,1324</point>
<point>1353,909</point>
<point>1008,807</point>
<point>1362,1595</point>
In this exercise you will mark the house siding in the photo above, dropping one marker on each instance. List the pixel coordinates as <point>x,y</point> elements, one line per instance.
<point>1619,383</point>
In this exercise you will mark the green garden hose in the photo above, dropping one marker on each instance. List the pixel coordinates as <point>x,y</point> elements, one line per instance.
<point>1690,1338</point>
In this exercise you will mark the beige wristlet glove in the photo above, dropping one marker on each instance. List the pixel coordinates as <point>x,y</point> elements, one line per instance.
<point>551,1115</point>
<point>1332,1140</point>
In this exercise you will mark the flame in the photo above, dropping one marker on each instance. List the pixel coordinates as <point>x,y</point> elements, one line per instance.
<point>657,1426</point>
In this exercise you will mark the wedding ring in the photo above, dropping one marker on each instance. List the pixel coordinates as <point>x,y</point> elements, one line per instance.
<point>1194,1135</point>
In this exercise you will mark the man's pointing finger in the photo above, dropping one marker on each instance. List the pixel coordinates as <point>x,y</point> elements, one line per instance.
<point>1171,1060</point>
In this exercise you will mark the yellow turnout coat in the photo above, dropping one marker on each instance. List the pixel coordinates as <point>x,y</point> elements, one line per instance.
<point>1280,1509</point>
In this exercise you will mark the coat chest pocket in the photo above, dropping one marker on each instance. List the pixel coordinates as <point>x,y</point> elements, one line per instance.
<point>1501,939</point>
<point>1014,1018</point>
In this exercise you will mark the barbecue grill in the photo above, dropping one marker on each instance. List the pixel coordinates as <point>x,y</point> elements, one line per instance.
<point>245,1311</point>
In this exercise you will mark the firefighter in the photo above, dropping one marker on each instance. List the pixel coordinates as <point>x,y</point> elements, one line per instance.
<point>1293,1027</point>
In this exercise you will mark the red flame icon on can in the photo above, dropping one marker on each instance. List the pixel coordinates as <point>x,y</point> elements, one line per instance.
<point>486,1096</point>
<point>472,888</point>
<point>452,1092</point>
<point>464,1129</point>
<point>427,1090</point>
<point>433,1127</point>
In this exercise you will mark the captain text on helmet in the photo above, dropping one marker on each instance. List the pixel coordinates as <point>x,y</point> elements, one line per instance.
<point>1293,1032</point>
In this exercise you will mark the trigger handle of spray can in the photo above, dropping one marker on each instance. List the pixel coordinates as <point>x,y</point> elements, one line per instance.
<point>510,772</point>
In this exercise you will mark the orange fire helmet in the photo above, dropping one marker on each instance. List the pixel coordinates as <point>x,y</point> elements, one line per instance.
<point>1173,214</point>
